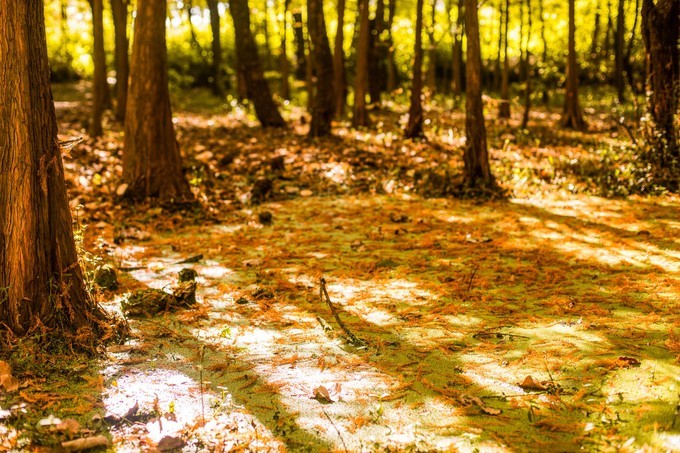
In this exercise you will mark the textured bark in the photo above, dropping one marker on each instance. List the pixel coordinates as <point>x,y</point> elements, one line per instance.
<point>414,128</point>
<point>152,164</point>
<point>120,11</point>
<point>216,46</point>
<point>475,156</point>
<point>457,52</point>
<point>284,64</point>
<point>573,116</point>
<point>41,283</point>
<point>660,31</point>
<point>360,117</point>
<point>249,64</point>
<point>619,65</point>
<point>99,84</point>
<point>300,57</point>
<point>322,61</point>
<point>504,108</point>
<point>339,62</point>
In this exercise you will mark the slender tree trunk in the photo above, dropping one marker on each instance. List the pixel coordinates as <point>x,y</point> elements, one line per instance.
<point>249,63</point>
<point>322,61</point>
<point>377,73</point>
<point>120,12</point>
<point>573,116</point>
<point>152,165</point>
<point>300,58</point>
<point>476,157</point>
<point>607,45</point>
<point>545,97</point>
<point>284,64</point>
<point>527,91</point>
<point>217,84</point>
<point>41,283</point>
<point>414,127</point>
<point>627,60</point>
<point>268,55</point>
<point>595,42</point>
<point>188,7</point>
<point>339,62</point>
<point>660,32</point>
<point>522,68</point>
<point>432,51</point>
<point>100,86</point>
<point>499,56</point>
<point>391,65</point>
<point>360,117</point>
<point>457,69</point>
<point>504,108</point>
<point>619,55</point>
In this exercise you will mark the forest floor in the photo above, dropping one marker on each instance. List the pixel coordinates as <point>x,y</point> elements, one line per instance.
<point>547,321</point>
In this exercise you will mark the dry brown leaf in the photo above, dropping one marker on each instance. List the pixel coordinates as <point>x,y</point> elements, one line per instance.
<point>529,383</point>
<point>322,395</point>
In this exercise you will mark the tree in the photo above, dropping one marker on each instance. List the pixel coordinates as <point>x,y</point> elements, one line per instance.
<point>572,116</point>
<point>660,32</point>
<point>529,72</point>
<point>217,84</point>
<point>120,12</point>
<point>100,86</point>
<point>322,64</point>
<point>299,36</point>
<point>152,164</point>
<point>41,282</point>
<point>391,82</point>
<point>457,52</point>
<point>360,117</point>
<point>339,62</point>
<point>414,127</point>
<point>476,156</point>
<point>432,50</point>
<point>504,108</point>
<point>249,63</point>
<point>284,65</point>
<point>619,65</point>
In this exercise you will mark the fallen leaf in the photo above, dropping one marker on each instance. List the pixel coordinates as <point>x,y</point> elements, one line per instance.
<point>529,383</point>
<point>322,395</point>
<point>627,362</point>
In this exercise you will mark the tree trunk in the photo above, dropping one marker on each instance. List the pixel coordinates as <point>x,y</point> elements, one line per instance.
<point>41,282</point>
<point>619,79</point>
<point>457,52</point>
<point>188,6</point>
<point>300,58</point>
<point>249,63</point>
<point>217,84</point>
<point>529,68</point>
<point>99,83</point>
<point>595,41</point>
<point>660,32</point>
<point>322,62</point>
<point>573,116</point>
<point>152,164</point>
<point>360,117</point>
<point>497,73</point>
<point>606,45</point>
<point>504,108</point>
<point>284,64</point>
<point>377,73</point>
<point>545,97</point>
<point>391,65</point>
<point>268,56</point>
<point>476,157</point>
<point>628,65</point>
<point>414,128</point>
<point>432,52</point>
<point>339,62</point>
<point>119,11</point>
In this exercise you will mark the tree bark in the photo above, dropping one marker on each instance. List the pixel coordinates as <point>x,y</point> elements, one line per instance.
<point>545,97</point>
<point>414,127</point>
<point>300,58</point>
<point>619,79</point>
<point>152,165</point>
<point>476,158</point>
<point>504,107</point>
<point>391,65</point>
<point>377,71</point>
<point>322,62</point>
<point>41,282</point>
<point>432,52</point>
<point>217,84</point>
<point>284,64</point>
<point>99,83</point>
<point>249,63</point>
<point>573,116</point>
<point>457,52</point>
<point>119,11</point>
<point>660,32</point>
<point>339,62</point>
<point>529,69</point>
<point>360,117</point>
<point>627,60</point>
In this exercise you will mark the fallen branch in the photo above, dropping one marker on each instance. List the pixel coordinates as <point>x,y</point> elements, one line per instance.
<point>336,429</point>
<point>471,277</point>
<point>323,294</point>
<point>85,443</point>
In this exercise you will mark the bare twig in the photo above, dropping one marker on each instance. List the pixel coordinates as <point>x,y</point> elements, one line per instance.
<point>471,277</point>
<point>336,428</point>
<point>323,294</point>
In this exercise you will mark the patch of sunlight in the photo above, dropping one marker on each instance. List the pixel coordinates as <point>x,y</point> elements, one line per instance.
<point>212,270</point>
<point>336,171</point>
<point>461,320</point>
<point>494,378</point>
<point>563,334</point>
<point>380,318</point>
<point>670,441</point>
<point>448,218</point>
<point>225,229</point>
<point>653,380</point>
<point>154,279</point>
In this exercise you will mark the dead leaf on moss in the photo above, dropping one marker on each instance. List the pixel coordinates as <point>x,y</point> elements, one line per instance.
<point>529,383</point>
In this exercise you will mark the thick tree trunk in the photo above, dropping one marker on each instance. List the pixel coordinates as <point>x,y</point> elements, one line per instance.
<point>99,84</point>
<point>300,58</point>
<point>217,84</point>
<point>457,52</point>
<point>476,157</point>
<point>660,31</point>
<point>414,127</point>
<point>573,116</point>
<point>339,62</point>
<point>504,108</point>
<point>360,117</point>
<point>322,62</point>
<point>619,55</point>
<point>152,164</point>
<point>119,11</point>
<point>284,64</point>
<point>41,283</point>
<point>249,63</point>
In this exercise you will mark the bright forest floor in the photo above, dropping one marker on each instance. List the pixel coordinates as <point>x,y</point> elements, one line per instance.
<point>548,321</point>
